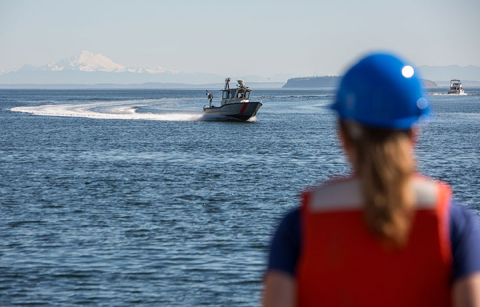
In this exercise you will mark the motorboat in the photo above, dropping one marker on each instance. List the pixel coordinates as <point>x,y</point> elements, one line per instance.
<point>235,102</point>
<point>456,87</point>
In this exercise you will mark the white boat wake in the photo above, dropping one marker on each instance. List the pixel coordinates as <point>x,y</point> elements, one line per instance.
<point>442,94</point>
<point>126,110</point>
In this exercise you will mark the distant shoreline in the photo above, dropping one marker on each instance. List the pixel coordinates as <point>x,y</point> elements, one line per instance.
<point>183,86</point>
<point>333,81</point>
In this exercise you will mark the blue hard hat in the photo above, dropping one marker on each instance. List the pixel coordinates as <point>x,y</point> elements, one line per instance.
<point>382,91</point>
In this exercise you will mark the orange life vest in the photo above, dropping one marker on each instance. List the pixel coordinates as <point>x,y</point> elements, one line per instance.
<point>343,264</point>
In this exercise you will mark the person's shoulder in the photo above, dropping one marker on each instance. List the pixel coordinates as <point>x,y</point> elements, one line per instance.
<point>465,241</point>
<point>285,245</point>
<point>290,219</point>
<point>334,183</point>
<point>462,216</point>
<point>292,213</point>
<point>331,181</point>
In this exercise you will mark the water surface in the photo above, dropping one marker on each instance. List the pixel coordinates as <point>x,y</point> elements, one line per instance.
<point>133,197</point>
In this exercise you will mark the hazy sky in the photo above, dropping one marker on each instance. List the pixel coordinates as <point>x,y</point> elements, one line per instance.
<point>240,37</point>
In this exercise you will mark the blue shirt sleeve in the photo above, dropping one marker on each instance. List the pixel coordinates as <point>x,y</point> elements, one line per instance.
<point>285,245</point>
<point>464,236</point>
<point>465,240</point>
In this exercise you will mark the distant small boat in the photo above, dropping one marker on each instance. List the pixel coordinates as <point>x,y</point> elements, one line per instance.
<point>456,87</point>
<point>235,102</point>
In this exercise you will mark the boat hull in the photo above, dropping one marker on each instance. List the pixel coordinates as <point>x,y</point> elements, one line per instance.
<point>240,110</point>
<point>456,92</point>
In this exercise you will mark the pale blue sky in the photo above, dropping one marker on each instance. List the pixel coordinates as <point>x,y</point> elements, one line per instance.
<point>240,37</point>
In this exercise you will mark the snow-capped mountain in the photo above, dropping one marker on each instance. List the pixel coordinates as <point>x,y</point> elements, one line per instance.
<point>90,62</point>
<point>90,68</point>
<point>86,61</point>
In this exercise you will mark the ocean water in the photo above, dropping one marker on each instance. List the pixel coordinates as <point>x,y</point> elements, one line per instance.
<point>133,197</point>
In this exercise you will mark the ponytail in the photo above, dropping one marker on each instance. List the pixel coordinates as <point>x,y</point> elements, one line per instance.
<point>385,163</point>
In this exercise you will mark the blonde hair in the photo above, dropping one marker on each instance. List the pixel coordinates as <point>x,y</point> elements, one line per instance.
<point>385,163</point>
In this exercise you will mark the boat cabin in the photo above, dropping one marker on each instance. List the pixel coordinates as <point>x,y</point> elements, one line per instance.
<point>455,85</point>
<point>240,94</point>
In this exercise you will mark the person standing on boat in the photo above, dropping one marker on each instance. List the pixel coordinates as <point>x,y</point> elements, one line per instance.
<point>384,236</point>
<point>209,97</point>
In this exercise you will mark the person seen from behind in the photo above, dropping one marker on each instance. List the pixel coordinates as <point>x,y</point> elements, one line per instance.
<point>386,235</point>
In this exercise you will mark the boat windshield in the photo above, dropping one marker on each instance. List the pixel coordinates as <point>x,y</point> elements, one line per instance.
<point>243,94</point>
